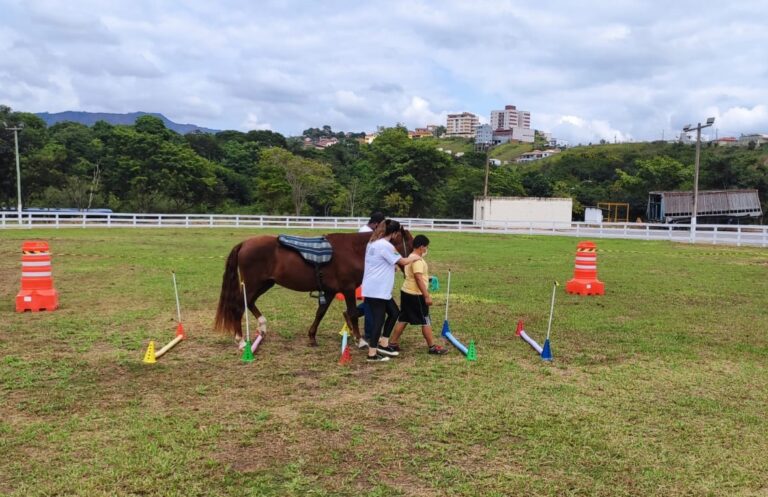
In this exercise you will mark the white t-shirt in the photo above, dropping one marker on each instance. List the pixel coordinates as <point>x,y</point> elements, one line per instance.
<point>379,275</point>
<point>365,229</point>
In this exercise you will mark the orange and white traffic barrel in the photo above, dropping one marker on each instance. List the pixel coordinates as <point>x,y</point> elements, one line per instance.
<point>37,292</point>
<point>585,280</point>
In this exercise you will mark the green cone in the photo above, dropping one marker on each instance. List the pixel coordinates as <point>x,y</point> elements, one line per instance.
<point>471,352</point>
<point>247,353</point>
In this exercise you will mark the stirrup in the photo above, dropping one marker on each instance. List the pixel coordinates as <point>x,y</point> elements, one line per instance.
<point>319,295</point>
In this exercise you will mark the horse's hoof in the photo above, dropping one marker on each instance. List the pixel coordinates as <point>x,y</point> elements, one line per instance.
<point>313,343</point>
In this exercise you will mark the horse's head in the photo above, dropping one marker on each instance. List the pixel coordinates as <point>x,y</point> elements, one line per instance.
<point>403,242</point>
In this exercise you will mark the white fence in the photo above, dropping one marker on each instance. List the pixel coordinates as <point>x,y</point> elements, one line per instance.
<point>715,234</point>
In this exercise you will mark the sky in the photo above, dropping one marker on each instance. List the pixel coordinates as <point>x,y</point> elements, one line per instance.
<point>587,70</point>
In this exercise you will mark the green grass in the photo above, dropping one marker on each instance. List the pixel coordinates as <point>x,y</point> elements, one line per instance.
<point>510,151</point>
<point>657,388</point>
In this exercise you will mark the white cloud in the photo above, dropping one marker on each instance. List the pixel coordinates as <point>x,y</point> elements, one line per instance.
<point>589,70</point>
<point>418,113</point>
<point>252,122</point>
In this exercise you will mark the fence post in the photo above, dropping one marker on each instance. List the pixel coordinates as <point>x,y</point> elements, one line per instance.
<point>738,236</point>
<point>57,220</point>
<point>530,227</point>
<point>714,235</point>
<point>134,219</point>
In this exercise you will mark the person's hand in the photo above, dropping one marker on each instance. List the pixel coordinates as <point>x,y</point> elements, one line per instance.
<point>428,299</point>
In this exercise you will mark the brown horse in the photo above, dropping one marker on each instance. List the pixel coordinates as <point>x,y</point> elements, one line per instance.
<point>262,261</point>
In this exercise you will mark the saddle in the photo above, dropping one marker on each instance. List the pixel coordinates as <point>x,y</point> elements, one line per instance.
<point>314,250</point>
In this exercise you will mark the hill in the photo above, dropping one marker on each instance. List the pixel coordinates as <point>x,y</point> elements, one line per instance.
<point>91,118</point>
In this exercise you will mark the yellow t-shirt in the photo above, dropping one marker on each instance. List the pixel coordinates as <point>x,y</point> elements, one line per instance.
<point>412,271</point>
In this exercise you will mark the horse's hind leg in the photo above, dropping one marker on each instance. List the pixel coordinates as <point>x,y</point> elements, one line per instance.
<point>352,315</point>
<point>260,319</point>
<point>321,309</point>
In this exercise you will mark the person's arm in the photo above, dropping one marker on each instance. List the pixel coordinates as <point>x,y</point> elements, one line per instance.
<point>404,261</point>
<point>423,287</point>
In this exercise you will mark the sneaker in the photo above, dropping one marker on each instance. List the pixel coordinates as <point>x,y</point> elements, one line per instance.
<point>362,344</point>
<point>438,350</point>
<point>394,346</point>
<point>377,358</point>
<point>388,350</point>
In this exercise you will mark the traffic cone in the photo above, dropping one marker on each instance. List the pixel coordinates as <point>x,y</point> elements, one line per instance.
<point>247,352</point>
<point>149,355</point>
<point>346,357</point>
<point>519,327</point>
<point>180,331</point>
<point>585,280</point>
<point>471,352</point>
<point>37,292</point>
<point>546,353</point>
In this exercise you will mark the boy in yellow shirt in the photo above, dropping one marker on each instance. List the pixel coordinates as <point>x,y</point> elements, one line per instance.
<point>415,300</point>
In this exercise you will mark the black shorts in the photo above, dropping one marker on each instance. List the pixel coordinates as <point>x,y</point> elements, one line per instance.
<point>413,309</point>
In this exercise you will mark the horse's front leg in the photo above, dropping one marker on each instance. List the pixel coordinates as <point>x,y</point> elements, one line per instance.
<point>321,309</point>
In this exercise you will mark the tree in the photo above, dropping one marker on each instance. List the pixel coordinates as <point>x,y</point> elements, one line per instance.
<point>660,173</point>
<point>413,169</point>
<point>304,177</point>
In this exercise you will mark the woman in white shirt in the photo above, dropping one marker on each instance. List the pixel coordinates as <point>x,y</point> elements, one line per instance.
<point>379,279</point>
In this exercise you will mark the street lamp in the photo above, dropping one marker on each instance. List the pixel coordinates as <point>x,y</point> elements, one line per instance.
<point>698,128</point>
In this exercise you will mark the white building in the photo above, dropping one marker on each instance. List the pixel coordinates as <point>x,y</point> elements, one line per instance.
<point>757,138</point>
<point>461,125</point>
<point>510,118</point>
<point>536,155</point>
<point>523,212</point>
<point>483,134</point>
<point>525,135</point>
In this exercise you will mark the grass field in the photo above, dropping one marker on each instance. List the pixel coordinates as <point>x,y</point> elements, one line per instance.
<point>657,388</point>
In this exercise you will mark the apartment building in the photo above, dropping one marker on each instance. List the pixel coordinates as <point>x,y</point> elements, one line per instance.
<point>461,125</point>
<point>510,118</point>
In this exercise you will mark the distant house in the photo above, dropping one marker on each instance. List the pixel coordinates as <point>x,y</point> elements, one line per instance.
<point>726,141</point>
<point>515,133</point>
<point>537,155</point>
<point>756,138</point>
<point>420,133</point>
<point>714,206</point>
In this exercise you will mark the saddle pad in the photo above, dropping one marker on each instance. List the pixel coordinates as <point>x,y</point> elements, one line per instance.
<point>315,250</point>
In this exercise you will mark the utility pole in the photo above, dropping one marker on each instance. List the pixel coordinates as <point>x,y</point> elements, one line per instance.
<point>18,167</point>
<point>487,169</point>
<point>695,212</point>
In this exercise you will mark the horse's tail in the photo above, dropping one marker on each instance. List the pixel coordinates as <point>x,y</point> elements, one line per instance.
<point>231,306</point>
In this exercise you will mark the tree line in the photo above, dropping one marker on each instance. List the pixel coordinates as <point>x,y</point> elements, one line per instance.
<point>149,168</point>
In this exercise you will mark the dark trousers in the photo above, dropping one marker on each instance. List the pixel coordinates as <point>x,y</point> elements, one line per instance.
<point>368,321</point>
<point>383,318</point>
